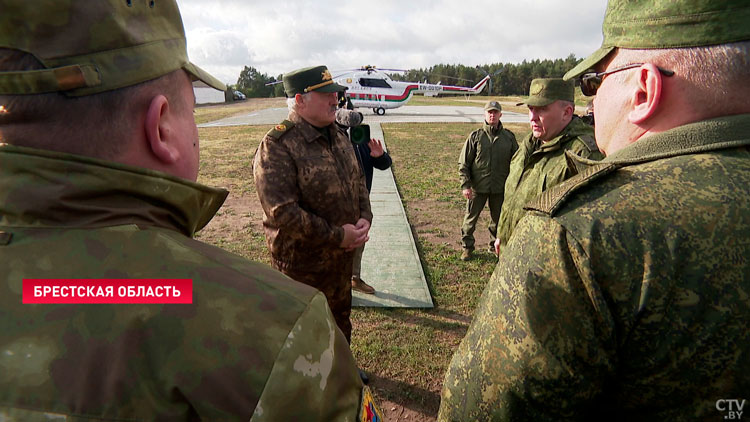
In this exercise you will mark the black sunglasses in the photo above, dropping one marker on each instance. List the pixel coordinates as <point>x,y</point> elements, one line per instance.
<point>590,82</point>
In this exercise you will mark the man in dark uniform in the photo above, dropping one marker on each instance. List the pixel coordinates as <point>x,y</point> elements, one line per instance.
<point>315,202</point>
<point>371,155</point>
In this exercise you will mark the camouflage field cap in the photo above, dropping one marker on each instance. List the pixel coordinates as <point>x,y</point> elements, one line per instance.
<point>644,24</point>
<point>89,47</point>
<point>544,91</point>
<point>492,105</point>
<point>316,78</point>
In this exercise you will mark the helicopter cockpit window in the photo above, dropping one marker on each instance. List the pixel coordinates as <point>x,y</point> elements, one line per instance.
<point>373,82</point>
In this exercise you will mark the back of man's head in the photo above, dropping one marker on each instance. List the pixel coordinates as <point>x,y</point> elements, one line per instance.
<point>79,71</point>
<point>705,42</point>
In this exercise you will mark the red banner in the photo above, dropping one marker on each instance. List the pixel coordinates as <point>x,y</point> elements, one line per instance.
<point>143,290</point>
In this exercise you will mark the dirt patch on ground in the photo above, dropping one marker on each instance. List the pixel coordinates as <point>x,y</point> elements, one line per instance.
<point>439,222</point>
<point>237,214</point>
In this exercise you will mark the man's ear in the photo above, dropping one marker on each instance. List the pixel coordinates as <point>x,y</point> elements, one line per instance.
<point>298,99</point>
<point>568,110</point>
<point>646,96</point>
<point>159,131</point>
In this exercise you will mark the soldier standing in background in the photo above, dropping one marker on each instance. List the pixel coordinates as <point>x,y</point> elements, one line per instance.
<point>483,166</point>
<point>99,155</point>
<point>623,293</point>
<point>541,160</point>
<point>315,202</point>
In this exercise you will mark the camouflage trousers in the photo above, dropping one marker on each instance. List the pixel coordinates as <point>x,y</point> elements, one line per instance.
<point>474,207</point>
<point>335,283</point>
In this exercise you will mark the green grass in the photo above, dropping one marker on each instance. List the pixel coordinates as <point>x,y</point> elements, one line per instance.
<point>406,351</point>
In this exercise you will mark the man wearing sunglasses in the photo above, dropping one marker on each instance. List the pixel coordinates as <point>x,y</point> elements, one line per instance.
<point>624,293</point>
<point>541,160</point>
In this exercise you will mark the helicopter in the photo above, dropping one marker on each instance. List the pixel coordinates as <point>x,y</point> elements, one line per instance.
<point>370,87</point>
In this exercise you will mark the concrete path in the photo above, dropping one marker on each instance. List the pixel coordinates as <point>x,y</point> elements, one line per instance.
<point>390,262</point>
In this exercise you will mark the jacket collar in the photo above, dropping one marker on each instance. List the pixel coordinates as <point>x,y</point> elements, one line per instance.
<point>490,130</point>
<point>708,135</point>
<point>574,128</point>
<point>45,188</point>
<point>308,131</point>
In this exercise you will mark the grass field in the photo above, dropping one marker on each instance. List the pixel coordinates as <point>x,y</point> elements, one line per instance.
<point>405,351</point>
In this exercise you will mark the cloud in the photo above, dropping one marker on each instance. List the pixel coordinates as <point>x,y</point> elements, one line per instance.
<point>275,37</point>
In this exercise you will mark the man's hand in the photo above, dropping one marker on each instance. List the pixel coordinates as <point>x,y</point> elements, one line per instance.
<point>468,193</point>
<point>497,247</point>
<point>376,148</point>
<point>355,235</point>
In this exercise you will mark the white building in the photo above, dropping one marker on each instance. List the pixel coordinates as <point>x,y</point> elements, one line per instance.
<point>205,94</point>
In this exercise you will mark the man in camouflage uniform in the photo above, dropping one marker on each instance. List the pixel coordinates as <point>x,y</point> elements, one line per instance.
<point>98,163</point>
<point>483,166</point>
<point>541,162</point>
<point>625,291</point>
<point>315,202</point>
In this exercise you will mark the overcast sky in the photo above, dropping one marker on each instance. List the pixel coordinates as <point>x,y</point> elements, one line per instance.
<point>282,35</point>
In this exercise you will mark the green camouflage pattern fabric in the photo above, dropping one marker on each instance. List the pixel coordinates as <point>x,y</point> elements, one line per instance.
<point>644,24</point>
<point>484,162</point>
<point>545,91</point>
<point>252,342</point>
<point>539,166</point>
<point>107,44</point>
<point>309,187</point>
<point>624,293</point>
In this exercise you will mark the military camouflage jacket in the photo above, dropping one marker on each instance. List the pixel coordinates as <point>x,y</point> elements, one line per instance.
<point>538,166</point>
<point>309,188</point>
<point>625,293</point>
<point>252,341</point>
<point>484,162</point>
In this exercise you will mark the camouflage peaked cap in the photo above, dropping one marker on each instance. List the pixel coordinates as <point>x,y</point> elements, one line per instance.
<point>316,78</point>
<point>493,105</point>
<point>89,47</point>
<point>546,91</point>
<point>642,24</point>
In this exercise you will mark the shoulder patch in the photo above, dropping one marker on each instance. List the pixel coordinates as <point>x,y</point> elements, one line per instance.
<point>551,200</point>
<point>369,411</point>
<point>280,129</point>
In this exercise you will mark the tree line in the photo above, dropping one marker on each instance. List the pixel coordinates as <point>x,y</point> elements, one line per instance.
<point>505,78</point>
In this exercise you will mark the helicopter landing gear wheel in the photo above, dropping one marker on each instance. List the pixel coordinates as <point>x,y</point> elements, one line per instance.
<point>380,111</point>
<point>375,110</point>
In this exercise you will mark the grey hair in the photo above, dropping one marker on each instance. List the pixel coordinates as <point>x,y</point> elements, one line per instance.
<point>291,102</point>
<point>718,74</point>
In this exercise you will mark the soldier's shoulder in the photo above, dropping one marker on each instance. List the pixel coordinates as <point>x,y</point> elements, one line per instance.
<point>280,130</point>
<point>584,142</point>
<point>476,133</point>
<point>551,200</point>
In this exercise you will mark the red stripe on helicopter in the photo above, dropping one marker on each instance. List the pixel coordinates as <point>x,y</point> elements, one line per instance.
<point>402,97</point>
<point>375,97</point>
